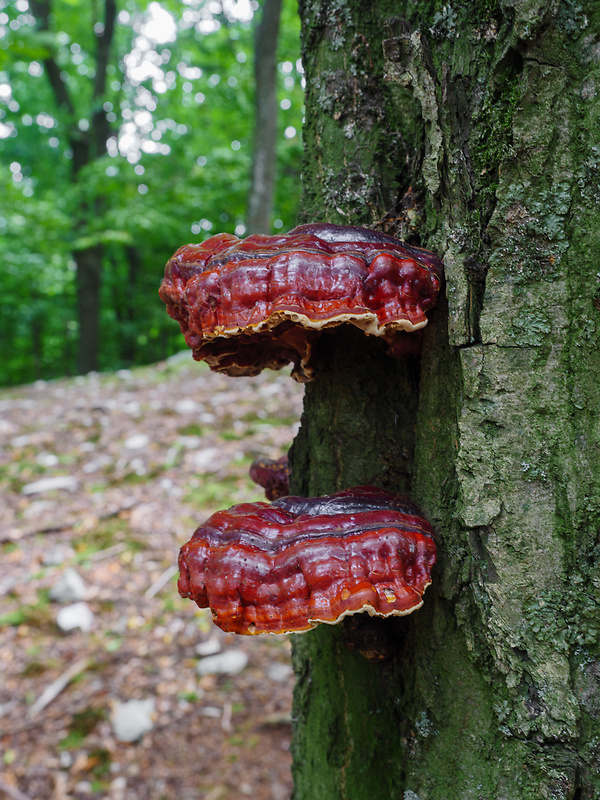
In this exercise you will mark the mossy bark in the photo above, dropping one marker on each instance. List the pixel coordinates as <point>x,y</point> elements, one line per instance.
<point>473,130</point>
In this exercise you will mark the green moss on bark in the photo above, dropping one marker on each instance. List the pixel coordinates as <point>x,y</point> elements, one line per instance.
<point>493,689</point>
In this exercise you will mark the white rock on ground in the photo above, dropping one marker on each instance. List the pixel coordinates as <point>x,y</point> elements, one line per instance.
<point>281,673</point>
<point>67,482</point>
<point>69,587</point>
<point>57,554</point>
<point>77,615</point>
<point>136,441</point>
<point>47,459</point>
<point>229,662</point>
<point>208,648</point>
<point>131,720</point>
<point>186,406</point>
<point>38,508</point>
<point>206,460</point>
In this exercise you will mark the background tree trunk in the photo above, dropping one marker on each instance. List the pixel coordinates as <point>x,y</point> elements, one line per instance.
<point>260,201</point>
<point>476,136</point>
<point>86,145</point>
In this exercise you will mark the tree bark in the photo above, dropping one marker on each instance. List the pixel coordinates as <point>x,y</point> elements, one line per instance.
<point>475,136</point>
<point>88,282</point>
<point>260,201</point>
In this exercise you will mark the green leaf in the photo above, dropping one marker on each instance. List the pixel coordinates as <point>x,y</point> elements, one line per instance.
<point>12,618</point>
<point>29,44</point>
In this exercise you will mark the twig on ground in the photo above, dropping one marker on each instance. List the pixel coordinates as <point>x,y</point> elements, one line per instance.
<point>108,552</point>
<point>160,582</point>
<point>226,717</point>
<point>56,687</point>
<point>12,791</point>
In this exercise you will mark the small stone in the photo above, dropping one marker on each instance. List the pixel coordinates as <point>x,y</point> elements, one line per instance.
<point>38,508</point>
<point>57,554</point>
<point>6,708</point>
<point>205,459</point>
<point>6,427</point>
<point>281,673</point>
<point>67,482</point>
<point>7,585</point>
<point>137,442</point>
<point>208,648</point>
<point>118,784</point>
<point>186,406</point>
<point>269,389</point>
<point>95,464</point>
<point>229,662</point>
<point>69,588</point>
<point>131,720</point>
<point>77,615</point>
<point>212,711</point>
<point>47,460</point>
<point>137,465</point>
<point>133,407</point>
<point>189,442</point>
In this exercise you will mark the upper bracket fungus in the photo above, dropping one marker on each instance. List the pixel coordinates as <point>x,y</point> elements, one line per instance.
<point>292,564</point>
<point>244,305</point>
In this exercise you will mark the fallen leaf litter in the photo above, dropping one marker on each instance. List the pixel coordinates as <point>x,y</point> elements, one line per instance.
<point>144,464</point>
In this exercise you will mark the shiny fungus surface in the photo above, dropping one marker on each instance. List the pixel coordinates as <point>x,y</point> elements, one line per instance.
<point>273,475</point>
<point>247,304</point>
<point>297,562</point>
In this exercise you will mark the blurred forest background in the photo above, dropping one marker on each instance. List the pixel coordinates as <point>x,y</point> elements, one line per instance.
<point>126,130</point>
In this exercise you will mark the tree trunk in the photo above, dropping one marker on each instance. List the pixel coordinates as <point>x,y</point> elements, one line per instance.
<point>88,284</point>
<point>260,201</point>
<point>85,146</point>
<point>475,136</point>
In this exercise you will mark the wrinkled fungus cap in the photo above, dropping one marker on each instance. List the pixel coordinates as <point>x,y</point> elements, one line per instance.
<point>292,564</point>
<point>272,475</point>
<point>244,305</point>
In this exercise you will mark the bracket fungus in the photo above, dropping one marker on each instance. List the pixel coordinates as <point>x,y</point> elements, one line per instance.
<point>272,475</point>
<point>245,305</point>
<point>297,562</point>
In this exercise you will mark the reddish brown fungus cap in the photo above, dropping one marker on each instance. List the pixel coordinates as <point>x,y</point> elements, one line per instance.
<point>272,475</point>
<point>292,564</point>
<point>244,305</point>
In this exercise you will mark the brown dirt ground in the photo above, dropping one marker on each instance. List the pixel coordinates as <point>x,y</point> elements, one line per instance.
<point>154,451</point>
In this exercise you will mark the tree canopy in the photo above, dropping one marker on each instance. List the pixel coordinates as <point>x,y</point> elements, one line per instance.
<point>177,108</point>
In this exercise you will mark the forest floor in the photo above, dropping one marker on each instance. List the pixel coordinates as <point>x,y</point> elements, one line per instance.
<point>144,456</point>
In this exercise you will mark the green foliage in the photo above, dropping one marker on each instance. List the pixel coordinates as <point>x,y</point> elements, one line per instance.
<point>36,301</point>
<point>177,169</point>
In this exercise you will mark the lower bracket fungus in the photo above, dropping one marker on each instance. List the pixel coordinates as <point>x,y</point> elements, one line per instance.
<point>262,302</point>
<point>287,566</point>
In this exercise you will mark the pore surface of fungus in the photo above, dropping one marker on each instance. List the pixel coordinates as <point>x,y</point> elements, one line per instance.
<point>289,565</point>
<point>244,305</point>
